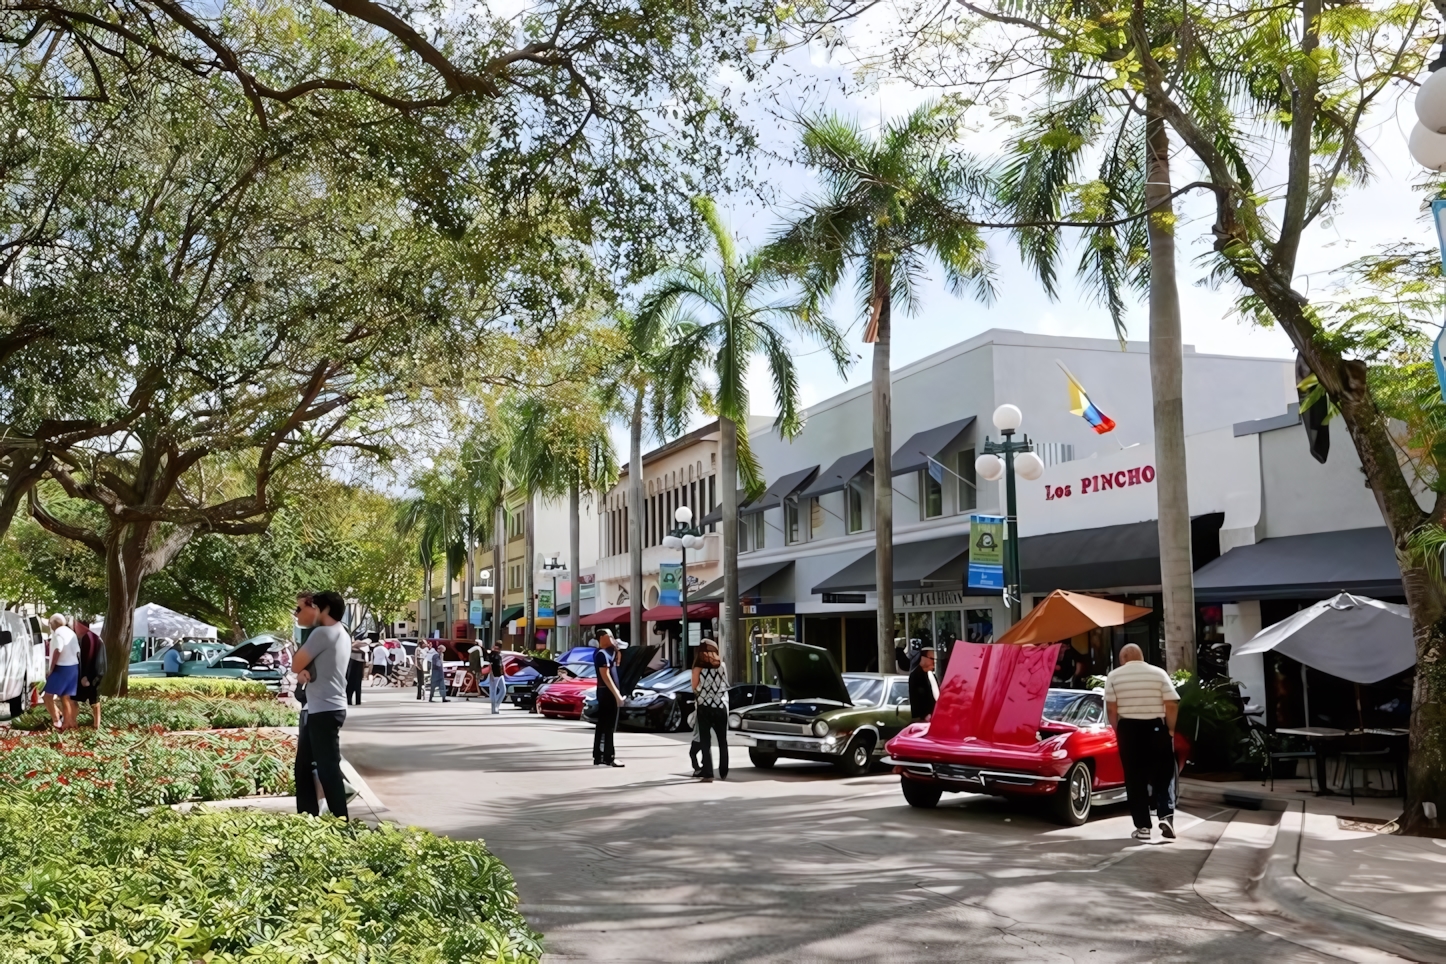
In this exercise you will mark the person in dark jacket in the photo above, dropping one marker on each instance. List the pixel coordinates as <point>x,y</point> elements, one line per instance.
<point>923,687</point>
<point>92,668</point>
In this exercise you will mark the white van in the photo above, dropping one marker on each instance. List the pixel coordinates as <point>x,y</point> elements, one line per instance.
<point>22,659</point>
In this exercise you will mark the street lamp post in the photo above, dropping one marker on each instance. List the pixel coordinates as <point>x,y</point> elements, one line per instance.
<point>554,569</point>
<point>1019,458</point>
<point>684,536</point>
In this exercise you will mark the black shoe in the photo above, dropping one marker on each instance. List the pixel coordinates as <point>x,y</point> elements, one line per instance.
<point>1167,828</point>
<point>614,763</point>
<point>697,772</point>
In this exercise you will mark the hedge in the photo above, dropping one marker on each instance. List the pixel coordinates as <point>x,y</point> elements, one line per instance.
<point>170,713</point>
<point>174,687</point>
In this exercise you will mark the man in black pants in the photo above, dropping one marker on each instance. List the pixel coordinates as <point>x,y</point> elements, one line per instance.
<point>923,687</point>
<point>321,665</point>
<point>608,701</point>
<point>1142,705</point>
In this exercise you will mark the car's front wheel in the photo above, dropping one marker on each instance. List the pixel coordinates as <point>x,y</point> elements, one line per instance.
<point>763,759</point>
<point>858,756</point>
<point>1072,800</point>
<point>920,794</point>
<point>673,721</point>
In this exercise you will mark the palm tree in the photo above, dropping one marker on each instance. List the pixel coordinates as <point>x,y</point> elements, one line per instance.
<point>482,485</point>
<point>723,315</point>
<point>890,205</point>
<point>433,517</point>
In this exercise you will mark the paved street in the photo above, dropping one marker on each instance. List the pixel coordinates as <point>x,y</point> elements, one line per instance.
<point>795,864</point>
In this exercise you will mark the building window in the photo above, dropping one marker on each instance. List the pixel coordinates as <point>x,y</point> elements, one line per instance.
<point>750,532</point>
<point>968,493</point>
<point>793,532</point>
<point>815,518</point>
<point>931,491</point>
<point>854,494</point>
<point>713,498</point>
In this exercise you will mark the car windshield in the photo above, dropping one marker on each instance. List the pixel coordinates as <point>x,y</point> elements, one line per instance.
<point>579,670</point>
<point>653,679</point>
<point>1064,706</point>
<point>864,690</point>
<point>681,681</point>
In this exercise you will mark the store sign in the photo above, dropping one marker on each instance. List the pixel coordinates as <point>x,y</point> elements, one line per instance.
<point>475,613</point>
<point>929,600</point>
<point>842,598</point>
<point>1119,479</point>
<point>986,552</point>
<point>670,584</point>
<point>587,586</point>
<point>544,604</point>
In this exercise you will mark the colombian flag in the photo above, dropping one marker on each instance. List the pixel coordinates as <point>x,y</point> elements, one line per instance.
<point>1080,404</point>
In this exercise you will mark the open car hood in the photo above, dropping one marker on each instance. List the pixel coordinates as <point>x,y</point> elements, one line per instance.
<point>544,667</point>
<point>807,673</point>
<point>634,666</point>
<point>994,692</point>
<point>249,651</point>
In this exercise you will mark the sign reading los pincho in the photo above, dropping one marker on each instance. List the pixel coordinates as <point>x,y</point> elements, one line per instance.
<point>1119,479</point>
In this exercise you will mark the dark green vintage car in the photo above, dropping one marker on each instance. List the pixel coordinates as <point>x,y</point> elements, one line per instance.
<point>825,715</point>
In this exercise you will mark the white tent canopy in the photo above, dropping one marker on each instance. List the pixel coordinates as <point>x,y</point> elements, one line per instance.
<point>154,620</point>
<point>1354,637</point>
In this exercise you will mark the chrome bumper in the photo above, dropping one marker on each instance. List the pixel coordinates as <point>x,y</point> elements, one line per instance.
<point>784,744</point>
<point>974,776</point>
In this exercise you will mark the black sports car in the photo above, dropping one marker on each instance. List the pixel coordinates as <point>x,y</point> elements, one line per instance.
<point>664,701</point>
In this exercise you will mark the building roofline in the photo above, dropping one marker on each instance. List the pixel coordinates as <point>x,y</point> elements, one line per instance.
<point>699,434</point>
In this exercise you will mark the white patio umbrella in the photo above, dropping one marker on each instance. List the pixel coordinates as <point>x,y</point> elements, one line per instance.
<point>155,620</point>
<point>1357,638</point>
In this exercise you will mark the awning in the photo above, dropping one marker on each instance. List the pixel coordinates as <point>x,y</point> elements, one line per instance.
<point>749,578</point>
<point>716,515</point>
<point>914,454</point>
<point>509,614</point>
<point>1320,564</point>
<point>780,490</point>
<point>662,614</point>
<point>1064,615</point>
<point>916,565</point>
<point>607,617</point>
<point>1107,557</point>
<point>836,476</point>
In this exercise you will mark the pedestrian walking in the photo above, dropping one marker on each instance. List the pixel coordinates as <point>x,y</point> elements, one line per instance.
<point>498,678</point>
<point>476,657</point>
<point>93,664</point>
<point>1142,705</point>
<point>438,682</point>
<point>171,660</point>
<point>710,692</point>
<point>321,667</point>
<point>923,686</point>
<point>64,675</point>
<point>608,701</point>
<point>422,660</point>
<point>356,670</point>
<point>380,660</point>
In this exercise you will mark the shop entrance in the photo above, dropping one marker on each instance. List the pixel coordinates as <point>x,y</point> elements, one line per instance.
<point>851,638</point>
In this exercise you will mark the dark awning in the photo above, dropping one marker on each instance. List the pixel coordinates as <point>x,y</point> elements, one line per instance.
<point>607,617</point>
<point>937,562</point>
<point>1320,564</point>
<point>749,578</point>
<point>914,454</point>
<point>836,476</point>
<point>716,515</point>
<point>781,489</point>
<point>1108,557</point>
<point>509,614</point>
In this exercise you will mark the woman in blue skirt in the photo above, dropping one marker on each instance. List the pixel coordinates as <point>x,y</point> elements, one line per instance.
<point>64,674</point>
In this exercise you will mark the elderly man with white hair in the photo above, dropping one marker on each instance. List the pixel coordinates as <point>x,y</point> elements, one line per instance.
<point>64,676</point>
<point>1142,705</point>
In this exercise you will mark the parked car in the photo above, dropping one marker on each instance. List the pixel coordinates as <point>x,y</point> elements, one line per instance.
<point>561,698</point>
<point>22,659</point>
<point>250,659</point>
<point>824,715</point>
<point>998,728</point>
<point>589,703</point>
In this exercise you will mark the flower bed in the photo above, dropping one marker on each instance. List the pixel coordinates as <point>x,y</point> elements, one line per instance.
<point>176,687</point>
<point>126,769</point>
<point>171,713</point>
<point>89,883</point>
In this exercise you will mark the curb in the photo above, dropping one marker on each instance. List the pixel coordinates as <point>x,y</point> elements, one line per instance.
<point>362,789</point>
<point>1201,791</point>
<point>1251,876</point>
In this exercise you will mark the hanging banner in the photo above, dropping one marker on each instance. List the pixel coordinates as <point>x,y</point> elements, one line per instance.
<point>544,604</point>
<point>474,613</point>
<point>1438,214</point>
<point>670,583</point>
<point>986,552</point>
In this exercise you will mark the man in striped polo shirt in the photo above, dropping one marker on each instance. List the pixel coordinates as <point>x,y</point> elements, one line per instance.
<point>1142,705</point>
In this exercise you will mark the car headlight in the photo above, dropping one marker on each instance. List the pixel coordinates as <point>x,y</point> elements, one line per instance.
<point>735,722</point>
<point>820,728</point>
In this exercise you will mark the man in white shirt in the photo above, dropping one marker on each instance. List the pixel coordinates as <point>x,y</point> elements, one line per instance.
<point>1142,705</point>
<point>64,676</point>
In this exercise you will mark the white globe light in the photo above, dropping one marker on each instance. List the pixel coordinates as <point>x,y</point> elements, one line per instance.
<point>1431,102</point>
<point>684,515</point>
<point>692,542</point>
<point>672,542</point>
<point>989,467</point>
<point>1007,418</point>
<point>1028,466</point>
<point>1428,148</point>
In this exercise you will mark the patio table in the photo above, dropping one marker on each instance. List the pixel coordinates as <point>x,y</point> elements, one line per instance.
<point>1317,736</point>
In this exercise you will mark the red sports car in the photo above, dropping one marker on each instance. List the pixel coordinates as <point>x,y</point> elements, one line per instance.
<point>998,728</point>
<point>562,698</point>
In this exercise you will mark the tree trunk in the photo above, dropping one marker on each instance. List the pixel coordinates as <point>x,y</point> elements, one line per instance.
<point>426,625</point>
<point>124,570</point>
<point>529,594</point>
<point>731,643</point>
<point>499,547</point>
<point>1426,769</point>
<point>469,577</point>
<point>450,577</point>
<point>634,508</point>
<point>1166,382</point>
<point>883,470</point>
<point>574,563</point>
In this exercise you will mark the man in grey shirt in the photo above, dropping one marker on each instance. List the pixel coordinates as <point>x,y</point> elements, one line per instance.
<point>321,665</point>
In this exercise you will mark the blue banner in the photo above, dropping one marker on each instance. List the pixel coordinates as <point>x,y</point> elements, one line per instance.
<point>670,583</point>
<point>986,552</point>
<point>1438,214</point>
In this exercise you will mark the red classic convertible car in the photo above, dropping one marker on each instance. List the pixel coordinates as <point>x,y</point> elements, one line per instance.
<point>562,698</point>
<point>998,728</point>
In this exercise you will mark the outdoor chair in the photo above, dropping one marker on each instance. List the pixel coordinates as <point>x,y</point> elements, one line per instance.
<point>1366,755</point>
<point>1273,754</point>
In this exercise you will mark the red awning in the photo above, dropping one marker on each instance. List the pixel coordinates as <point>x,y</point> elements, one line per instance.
<point>606,617</point>
<point>662,614</point>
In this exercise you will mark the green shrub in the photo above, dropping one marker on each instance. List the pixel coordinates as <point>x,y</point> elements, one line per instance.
<point>171,713</point>
<point>1211,719</point>
<point>87,883</point>
<point>177,687</point>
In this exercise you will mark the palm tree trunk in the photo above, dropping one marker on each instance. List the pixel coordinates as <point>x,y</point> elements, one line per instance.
<point>469,578</point>
<point>499,546</point>
<point>1166,382</point>
<point>883,470</point>
<point>447,613</point>
<point>529,594</point>
<point>731,645</point>
<point>634,508</point>
<point>574,562</point>
<point>426,626</point>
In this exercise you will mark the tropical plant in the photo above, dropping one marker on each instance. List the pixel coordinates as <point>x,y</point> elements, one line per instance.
<point>172,711</point>
<point>890,205</point>
<point>180,687</point>
<point>724,314</point>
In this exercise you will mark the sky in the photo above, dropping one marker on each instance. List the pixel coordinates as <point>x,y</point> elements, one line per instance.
<point>1385,211</point>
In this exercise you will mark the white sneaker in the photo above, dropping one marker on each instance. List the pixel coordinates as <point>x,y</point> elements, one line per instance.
<point>1167,828</point>
<point>1141,833</point>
